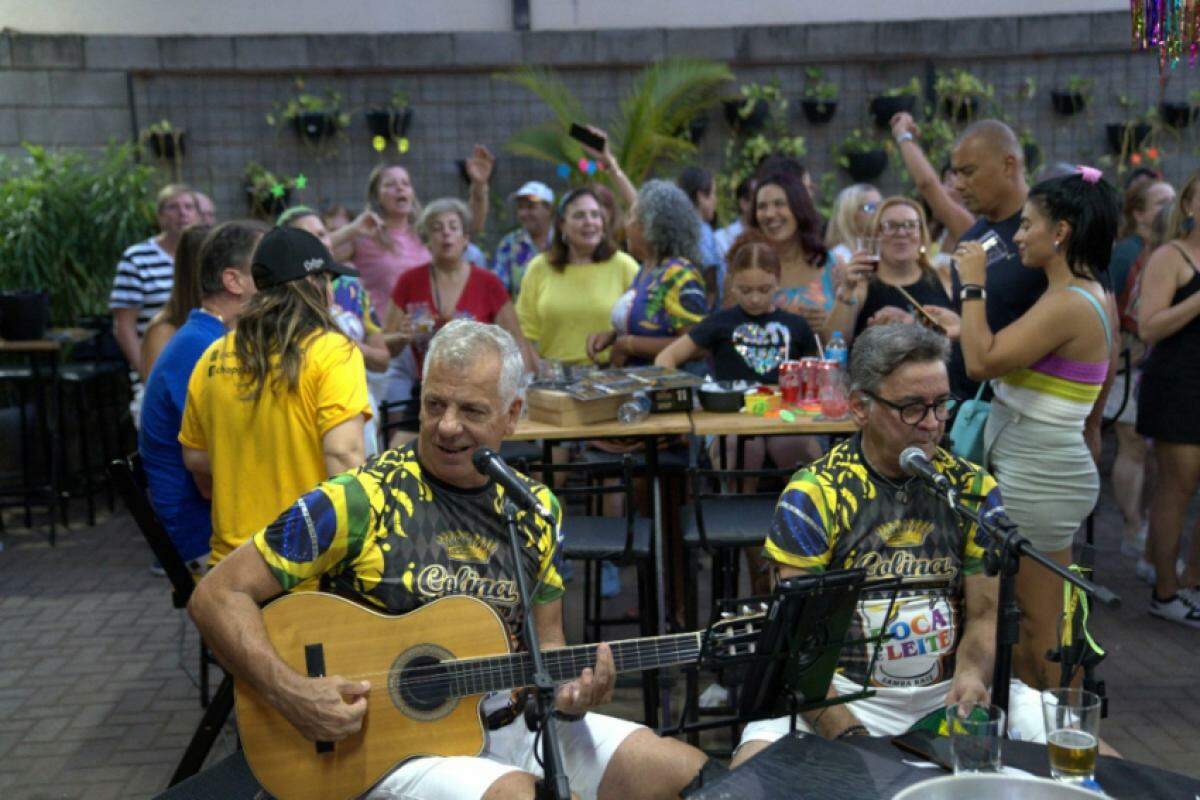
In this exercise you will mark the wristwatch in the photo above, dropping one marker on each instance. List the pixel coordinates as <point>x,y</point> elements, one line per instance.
<point>906,136</point>
<point>972,291</point>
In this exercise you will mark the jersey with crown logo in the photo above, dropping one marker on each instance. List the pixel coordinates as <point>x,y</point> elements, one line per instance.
<point>396,537</point>
<point>838,513</point>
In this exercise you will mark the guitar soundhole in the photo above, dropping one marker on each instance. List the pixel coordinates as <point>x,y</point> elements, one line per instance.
<point>418,686</point>
<point>421,684</point>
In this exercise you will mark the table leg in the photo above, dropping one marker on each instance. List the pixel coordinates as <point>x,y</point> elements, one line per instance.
<point>657,544</point>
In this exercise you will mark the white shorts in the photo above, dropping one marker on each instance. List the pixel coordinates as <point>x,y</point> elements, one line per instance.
<point>892,712</point>
<point>588,745</point>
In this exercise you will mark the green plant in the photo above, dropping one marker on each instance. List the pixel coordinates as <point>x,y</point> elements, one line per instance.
<point>305,102</point>
<point>913,87</point>
<point>67,215</point>
<point>644,133</point>
<point>1077,84</point>
<point>1027,89</point>
<point>857,142</point>
<point>161,128</point>
<point>961,91</point>
<point>265,189</point>
<point>399,97</point>
<point>1194,97</point>
<point>743,154</point>
<point>817,88</point>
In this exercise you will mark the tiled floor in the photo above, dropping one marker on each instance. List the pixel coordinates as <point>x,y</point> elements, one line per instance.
<point>94,702</point>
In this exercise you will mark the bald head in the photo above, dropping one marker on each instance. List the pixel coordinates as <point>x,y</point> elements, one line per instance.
<point>989,168</point>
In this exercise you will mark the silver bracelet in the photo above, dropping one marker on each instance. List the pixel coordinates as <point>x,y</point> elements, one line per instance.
<point>906,136</point>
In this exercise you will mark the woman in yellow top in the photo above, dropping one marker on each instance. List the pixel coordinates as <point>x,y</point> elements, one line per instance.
<point>568,292</point>
<point>277,405</point>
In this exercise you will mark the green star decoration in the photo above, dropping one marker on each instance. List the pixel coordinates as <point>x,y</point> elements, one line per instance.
<point>301,181</point>
<point>277,190</point>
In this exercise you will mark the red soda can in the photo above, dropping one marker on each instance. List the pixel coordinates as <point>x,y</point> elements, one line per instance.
<point>791,382</point>
<point>809,369</point>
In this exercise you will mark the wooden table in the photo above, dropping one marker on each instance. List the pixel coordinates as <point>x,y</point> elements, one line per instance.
<point>696,423</point>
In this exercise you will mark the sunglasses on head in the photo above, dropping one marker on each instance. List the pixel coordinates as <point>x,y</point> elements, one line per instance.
<point>870,207</point>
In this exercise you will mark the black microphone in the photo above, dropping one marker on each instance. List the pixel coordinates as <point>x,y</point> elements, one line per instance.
<point>489,463</point>
<point>914,462</point>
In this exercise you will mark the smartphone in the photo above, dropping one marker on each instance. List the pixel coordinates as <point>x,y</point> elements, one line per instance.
<point>586,137</point>
<point>922,316</point>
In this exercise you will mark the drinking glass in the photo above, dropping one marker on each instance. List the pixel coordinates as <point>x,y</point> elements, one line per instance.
<point>868,245</point>
<point>975,737</point>
<point>994,246</point>
<point>422,317</point>
<point>1072,718</point>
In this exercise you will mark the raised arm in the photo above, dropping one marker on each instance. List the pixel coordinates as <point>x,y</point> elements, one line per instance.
<point>479,172</point>
<point>626,191</point>
<point>956,218</point>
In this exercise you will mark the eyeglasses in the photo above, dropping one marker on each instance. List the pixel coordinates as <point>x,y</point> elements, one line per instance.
<point>913,413</point>
<point>893,227</point>
<point>870,207</point>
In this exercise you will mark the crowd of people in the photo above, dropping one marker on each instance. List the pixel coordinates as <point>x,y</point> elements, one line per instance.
<point>266,352</point>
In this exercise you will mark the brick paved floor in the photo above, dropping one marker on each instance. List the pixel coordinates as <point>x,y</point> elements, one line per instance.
<point>93,702</point>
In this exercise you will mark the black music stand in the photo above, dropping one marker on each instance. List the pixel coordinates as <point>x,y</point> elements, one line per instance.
<point>786,665</point>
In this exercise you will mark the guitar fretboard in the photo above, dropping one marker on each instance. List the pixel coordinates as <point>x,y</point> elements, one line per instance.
<point>515,671</point>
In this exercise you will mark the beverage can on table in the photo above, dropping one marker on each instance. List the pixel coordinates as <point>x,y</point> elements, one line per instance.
<point>791,382</point>
<point>810,373</point>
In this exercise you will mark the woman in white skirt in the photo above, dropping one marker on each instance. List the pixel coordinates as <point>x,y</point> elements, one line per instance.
<point>1048,368</point>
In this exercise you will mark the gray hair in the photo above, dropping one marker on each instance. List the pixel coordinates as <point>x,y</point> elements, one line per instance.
<point>462,342</point>
<point>882,349</point>
<point>669,221</point>
<point>443,205</point>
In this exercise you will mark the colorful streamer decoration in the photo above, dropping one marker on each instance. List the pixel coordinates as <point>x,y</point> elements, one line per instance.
<point>1170,26</point>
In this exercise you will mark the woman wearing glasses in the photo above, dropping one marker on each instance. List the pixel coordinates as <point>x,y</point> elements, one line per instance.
<point>853,212</point>
<point>1047,370</point>
<point>872,293</point>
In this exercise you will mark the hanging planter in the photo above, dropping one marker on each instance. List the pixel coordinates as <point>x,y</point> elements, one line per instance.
<point>1126,137</point>
<point>818,112</point>
<point>747,121</point>
<point>961,109</point>
<point>1068,103</point>
<point>884,107</point>
<point>1177,115</point>
<point>390,123</point>
<point>866,167</point>
<point>166,145</point>
<point>315,126</point>
<point>266,196</point>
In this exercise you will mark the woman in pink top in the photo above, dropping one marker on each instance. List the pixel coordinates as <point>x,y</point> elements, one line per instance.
<point>382,241</point>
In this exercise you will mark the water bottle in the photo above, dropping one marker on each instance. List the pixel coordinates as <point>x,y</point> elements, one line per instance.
<point>635,409</point>
<point>836,350</point>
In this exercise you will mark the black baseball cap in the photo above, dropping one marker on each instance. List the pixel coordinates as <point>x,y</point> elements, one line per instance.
<point>288,254</point>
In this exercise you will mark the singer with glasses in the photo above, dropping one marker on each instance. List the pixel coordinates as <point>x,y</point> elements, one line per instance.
<point>866,503</point>
<point>415,524</point>
<point>1047,369</point>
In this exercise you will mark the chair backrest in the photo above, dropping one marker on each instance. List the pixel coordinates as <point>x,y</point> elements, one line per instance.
<point>714,486</point>
<point>129,476</point>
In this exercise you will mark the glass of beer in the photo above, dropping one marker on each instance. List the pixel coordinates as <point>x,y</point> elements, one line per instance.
<point>1072,718</point>
<point>975,736</point>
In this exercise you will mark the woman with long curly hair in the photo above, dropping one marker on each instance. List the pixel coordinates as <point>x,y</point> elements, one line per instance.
<point>278,404</point>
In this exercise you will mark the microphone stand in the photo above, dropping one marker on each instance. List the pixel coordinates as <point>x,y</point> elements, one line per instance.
<point>1004,548</point>
<point>553,785</point>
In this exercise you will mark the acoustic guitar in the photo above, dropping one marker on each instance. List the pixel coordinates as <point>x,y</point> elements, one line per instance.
<point>429,671</point>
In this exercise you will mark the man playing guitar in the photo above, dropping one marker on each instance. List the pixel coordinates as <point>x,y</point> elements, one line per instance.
<point>416,524</point>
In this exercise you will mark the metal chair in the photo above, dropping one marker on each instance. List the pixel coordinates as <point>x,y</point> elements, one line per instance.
<point>592,538</point>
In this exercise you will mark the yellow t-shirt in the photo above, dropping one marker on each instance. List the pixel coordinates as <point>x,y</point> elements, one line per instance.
<point>263,456</point>
<point>557,309</point>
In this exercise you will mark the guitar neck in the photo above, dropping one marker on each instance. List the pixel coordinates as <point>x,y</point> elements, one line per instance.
<point>515,671</point>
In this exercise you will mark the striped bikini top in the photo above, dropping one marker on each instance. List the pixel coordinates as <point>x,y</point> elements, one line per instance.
<point>1055,389</point>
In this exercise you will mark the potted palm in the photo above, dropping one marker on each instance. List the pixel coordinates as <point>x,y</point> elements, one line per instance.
<point>1074,98</point>
<point>864,157</point>
<point>820,97</point>
<point>893,101</point>
<point>391,121</point>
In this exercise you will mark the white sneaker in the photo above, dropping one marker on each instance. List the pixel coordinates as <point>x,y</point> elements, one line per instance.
<point>1190,595</point>
<point>715,696</point>
<point>1177,609</point>
<point>1137,547</point>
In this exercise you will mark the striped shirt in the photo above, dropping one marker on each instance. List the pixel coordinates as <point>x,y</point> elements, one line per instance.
<point>144,278</point>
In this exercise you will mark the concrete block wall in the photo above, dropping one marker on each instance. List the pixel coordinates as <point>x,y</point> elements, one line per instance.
<point>86,90</point>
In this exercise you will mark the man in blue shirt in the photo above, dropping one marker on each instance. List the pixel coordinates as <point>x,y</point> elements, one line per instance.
<point>225,286</point>
<point>535,211</point>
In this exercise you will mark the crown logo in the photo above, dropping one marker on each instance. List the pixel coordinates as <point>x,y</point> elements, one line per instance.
<point>904,532</point>
<point>465,546</point>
